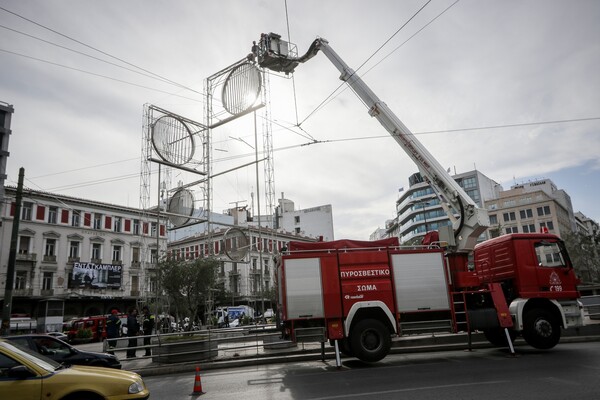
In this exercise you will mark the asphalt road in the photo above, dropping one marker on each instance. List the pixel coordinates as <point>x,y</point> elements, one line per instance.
<point>569,371</point>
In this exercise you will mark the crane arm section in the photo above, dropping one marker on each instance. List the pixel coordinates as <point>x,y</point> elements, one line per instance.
<point>473,220</point>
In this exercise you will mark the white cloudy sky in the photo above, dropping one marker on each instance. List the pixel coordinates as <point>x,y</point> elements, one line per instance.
<point>77,126</point>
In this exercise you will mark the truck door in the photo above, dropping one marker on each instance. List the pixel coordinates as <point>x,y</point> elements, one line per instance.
<point>554,271</point>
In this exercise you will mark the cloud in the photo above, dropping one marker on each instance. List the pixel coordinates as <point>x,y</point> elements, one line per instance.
<point>477,65</point>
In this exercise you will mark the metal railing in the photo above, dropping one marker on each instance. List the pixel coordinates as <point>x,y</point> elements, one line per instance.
<point>204,344</point>
<point>591,306</point>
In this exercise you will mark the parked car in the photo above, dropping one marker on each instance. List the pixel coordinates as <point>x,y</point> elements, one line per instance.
<point>27,375</point>
<point>63,352</point>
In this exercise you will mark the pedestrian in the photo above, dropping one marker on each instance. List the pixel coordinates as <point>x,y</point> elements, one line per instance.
<point>147,327</point>
<point>133,328</point>
<point>226,320</point>
<point>113,327</point>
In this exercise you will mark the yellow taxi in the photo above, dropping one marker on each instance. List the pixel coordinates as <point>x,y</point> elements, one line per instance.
<point>26,375</point>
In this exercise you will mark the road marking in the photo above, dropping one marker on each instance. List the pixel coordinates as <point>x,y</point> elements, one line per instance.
<point>346,396</point>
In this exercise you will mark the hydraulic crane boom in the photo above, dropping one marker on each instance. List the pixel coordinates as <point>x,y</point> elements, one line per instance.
<point>273,53</point>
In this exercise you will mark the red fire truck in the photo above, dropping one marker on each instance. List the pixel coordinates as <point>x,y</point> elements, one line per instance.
<point>359,294</point>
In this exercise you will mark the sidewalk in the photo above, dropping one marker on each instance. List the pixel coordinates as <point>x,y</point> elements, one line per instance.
<point>233,355</point>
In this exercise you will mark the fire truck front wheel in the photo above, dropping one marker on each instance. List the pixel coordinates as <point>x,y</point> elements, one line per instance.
<point>541,329</point>
<point>370,340</point>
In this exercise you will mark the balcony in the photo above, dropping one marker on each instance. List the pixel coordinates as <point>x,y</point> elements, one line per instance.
<point>135,293</point>
<point>135,264</point>
<point>234,273</point>
<point>73,259</point>
<point>25,256</point>
<point>47,292</point>
<point>117,262</point>
<point>96,261</point>
<point>23,292</point>
<point>50,259</point>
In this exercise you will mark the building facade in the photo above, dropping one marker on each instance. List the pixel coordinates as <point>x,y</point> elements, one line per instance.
<point>315,222</point>
<point>418,209</point>
<point>537,206</point>
<point>6,111</point>
<point>586,225</point>
<point>251,280</point>
<point>77,257</point>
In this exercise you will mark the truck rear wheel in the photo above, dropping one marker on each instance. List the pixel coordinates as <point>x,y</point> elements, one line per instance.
<point>541,329</point>
<point>370,340</point>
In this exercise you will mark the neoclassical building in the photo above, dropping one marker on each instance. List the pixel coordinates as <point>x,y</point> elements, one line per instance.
<point>77,257</point>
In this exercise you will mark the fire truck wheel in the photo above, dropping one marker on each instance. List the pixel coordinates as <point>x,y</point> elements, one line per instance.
<point>370,340</point>
<point>540,329</point>
<point>497,337</point>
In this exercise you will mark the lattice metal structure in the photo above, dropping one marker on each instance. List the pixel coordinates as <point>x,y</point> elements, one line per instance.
<point>269,169</point>
<point>231,93</point>
<point>169,140</point>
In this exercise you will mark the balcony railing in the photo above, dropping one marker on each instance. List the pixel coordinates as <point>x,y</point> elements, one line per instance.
<point>26,256</point>
<point>47,292</point>
<point>48,258</point>
<point>135,264</point>
<point>23,292</point>
<point>73,259</point>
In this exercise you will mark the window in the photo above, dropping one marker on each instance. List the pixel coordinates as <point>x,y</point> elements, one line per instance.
<point>541,211</point>
<point>135,254</point>
<point>549,255</point>
<point>26,211</point>
<point>96,251</point>
<point>153,229</point>
<point>297,219</point>
<point>118,224</point>
<point>116,253</point>
<point>50,248</point>
<point>21,280</point>
<point>47,281</point>
<point>512,229</point>
<point>24,244</point>
<point>76,218</point>
<point>297,231</point>
<point>153,256</point>
<point>52,213</point>
<point>151,284</point>
<point>97,221</point>
<point>548,224</point>
<point>73,249</point>
<point>474,195</point>
<point>469,183</point>
<point>494,219</point>
<point>530,228</point>
<point>135,283</point>
<point>509,216</point>
<point>136,226</point>
<point>528,213</point>
<point>6,363</point>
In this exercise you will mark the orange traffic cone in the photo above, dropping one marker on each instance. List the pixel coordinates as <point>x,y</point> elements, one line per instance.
<point>197,383</point>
